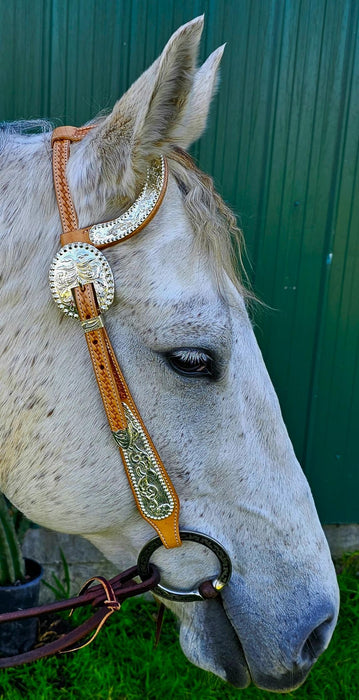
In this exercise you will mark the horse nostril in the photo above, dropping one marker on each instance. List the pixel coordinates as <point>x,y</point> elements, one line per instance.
<point>316,643</point>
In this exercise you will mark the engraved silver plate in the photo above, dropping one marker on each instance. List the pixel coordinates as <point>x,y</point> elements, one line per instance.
<point>75,265</point>
<point>127,223</point>
<point>146,477</point>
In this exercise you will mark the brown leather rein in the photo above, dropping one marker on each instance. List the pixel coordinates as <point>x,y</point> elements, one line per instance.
<point>82,285</point>
<point>106,597</point>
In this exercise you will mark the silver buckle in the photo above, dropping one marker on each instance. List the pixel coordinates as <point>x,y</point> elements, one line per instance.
<point>75,265</point>
<point>183,596</point>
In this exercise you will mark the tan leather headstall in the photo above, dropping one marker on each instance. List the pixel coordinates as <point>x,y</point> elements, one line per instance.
<point>82,285</point>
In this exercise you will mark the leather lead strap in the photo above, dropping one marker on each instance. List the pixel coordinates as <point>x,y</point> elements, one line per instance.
<point>151,486</point>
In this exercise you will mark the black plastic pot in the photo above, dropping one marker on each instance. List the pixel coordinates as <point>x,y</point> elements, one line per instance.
<point>20,636</point>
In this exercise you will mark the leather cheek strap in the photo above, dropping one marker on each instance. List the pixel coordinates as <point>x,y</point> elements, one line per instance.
<point>151,486</point>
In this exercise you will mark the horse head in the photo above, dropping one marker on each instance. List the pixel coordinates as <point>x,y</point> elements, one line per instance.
<point>180,328</point>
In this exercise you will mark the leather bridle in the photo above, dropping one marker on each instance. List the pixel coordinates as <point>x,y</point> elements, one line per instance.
<point>84,267</point>
<point>82,285</point>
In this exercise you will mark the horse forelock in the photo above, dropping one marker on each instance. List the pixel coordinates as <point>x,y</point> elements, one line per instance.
<point>22,127</point>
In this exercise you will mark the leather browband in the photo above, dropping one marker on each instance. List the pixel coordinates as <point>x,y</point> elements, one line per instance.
<point>151,486</point>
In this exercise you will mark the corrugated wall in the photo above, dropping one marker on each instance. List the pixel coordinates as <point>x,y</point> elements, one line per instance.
<point>283,148</point>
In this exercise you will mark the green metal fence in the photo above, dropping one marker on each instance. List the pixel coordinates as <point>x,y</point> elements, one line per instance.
<point>283,147</point>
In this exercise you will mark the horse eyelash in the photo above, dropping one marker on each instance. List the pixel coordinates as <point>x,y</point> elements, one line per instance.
<point>191,356</point>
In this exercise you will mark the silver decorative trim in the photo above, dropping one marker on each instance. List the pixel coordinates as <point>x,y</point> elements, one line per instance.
<point>75,265</point>
<point>93,324</point>
<point>146,477</point>
<point>127,223</point>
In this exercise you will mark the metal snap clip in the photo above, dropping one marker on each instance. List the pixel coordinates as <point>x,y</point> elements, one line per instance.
<point>217,582</point>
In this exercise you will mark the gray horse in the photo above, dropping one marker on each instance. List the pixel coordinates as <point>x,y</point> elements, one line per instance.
<point>180,327</point>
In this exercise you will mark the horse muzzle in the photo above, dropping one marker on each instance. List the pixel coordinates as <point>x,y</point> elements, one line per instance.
<point>281,647</point>
<point>216,638</point>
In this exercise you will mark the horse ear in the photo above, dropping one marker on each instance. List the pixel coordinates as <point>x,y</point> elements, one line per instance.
<point>146,118</point>
<point>204,87</point>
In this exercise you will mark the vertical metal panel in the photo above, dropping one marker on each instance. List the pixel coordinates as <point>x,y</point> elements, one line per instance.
<point>283,147</point>
<point>333,422</point>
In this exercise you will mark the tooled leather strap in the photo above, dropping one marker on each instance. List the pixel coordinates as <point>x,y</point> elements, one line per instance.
<point>61,138</point>
<point>152,488</point>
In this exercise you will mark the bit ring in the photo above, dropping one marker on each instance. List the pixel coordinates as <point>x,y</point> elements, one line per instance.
<point>218,582</point>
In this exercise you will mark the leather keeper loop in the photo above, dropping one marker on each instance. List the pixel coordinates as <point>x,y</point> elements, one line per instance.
<point>80,235</point>
<point>70,133</point>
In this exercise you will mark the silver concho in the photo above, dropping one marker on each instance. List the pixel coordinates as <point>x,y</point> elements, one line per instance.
<point>127,223</point>
<point>75,265</point>
<point>152,491</point>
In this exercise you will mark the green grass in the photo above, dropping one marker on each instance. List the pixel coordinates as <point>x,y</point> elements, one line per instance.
<point>122,663</point>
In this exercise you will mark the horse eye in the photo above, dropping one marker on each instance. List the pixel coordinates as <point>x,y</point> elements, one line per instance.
<point>191,362</point>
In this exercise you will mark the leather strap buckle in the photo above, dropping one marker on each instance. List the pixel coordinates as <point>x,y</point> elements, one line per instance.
<point>76,265</point>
